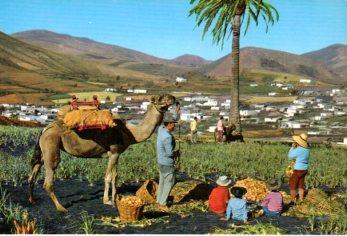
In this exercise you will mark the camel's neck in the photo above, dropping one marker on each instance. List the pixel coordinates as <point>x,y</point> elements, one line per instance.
<point>146,128</point>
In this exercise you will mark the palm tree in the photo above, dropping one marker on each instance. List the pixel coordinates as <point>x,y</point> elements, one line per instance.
<point>227,17</point>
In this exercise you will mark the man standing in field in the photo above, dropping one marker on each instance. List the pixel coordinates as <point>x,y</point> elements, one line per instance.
<point>194,130</point>
<point>166,155</point>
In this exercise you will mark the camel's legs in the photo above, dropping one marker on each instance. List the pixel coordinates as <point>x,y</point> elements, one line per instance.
<point>32,180</point>
<point>114,182</point>
<point>51,160</point>
<point>111,177</point>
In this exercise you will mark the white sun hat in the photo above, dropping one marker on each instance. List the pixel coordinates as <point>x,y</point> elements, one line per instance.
<point>223,181</point>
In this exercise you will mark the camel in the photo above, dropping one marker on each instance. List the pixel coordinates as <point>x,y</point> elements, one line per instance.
<point>92,144</point>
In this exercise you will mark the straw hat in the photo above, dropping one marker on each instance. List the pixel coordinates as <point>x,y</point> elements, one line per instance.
<point>223,181</point>
<point>273,185</point>
<point>301,140</point>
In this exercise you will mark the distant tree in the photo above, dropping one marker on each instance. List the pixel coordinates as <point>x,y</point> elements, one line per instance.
<point>107,99</point>
<point>118,77</point>
<point>226,16</point>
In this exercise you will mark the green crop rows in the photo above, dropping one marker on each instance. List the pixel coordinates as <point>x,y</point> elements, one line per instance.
<point>237,160</point>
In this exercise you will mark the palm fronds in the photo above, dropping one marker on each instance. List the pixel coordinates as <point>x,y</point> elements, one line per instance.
<point>218,15</point>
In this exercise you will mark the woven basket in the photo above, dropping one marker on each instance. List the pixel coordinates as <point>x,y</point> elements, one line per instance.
<point>128,213</point>
<point>147,192</point>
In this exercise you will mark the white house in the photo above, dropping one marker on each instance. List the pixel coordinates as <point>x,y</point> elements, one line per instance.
<point>326,114</point>
<point>307,81</point>
<point>291,124</point>
<point>259,106</point>
<point>24,118</point>
<point>140,91</point>
<point>291,111</point>
<point>321,105</point>
<point>210,103</point>
<point>130,90</point>
<point>187,99</point>
<point>311,132</point>
<point>254,85</point>
<point>6,105</point>
<point>181,80</point>
<point>339,113</point>
<point>128,99</point>
<point>247,113</point>
<point>214,108</point>
<point>272,119</point>
<point>336,91</point>
<point>343,143</point>
<point>272,94</point>
<point>23,108</point>
<point>270,108</point>
<point>200,99</point>
<point>144,105</point>
<point>226,104</point>
<point>186,116</point>
<point>317,118</point>
<point>110,90</point>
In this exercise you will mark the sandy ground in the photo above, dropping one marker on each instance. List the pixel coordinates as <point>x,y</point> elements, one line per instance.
<point>77,196</point>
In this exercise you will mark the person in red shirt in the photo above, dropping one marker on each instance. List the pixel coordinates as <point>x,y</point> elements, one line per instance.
<point>220,196</point>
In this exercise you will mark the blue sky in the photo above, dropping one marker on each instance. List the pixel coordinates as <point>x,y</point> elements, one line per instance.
<point>163,28</point>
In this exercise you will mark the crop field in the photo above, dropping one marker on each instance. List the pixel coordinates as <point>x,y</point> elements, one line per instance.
<point>87,96</point>
<point>267,99</point>
<point>203,162</point>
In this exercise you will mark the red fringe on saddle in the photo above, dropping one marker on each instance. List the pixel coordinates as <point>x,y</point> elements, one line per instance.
<point>81,128</point>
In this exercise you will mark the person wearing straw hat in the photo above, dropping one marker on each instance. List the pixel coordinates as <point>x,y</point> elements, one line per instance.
<point>299,152</point>
<point>166,155</point>
<point>219,196</point>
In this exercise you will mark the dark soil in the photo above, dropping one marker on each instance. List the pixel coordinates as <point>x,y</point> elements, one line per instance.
<point>78,196</point>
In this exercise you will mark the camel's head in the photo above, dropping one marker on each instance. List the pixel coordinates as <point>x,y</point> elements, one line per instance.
<point>162,102</point>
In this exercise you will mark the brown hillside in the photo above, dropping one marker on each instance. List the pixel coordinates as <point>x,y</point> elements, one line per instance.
<point>25,68</point>
<point>87,48</point>
<point>334,57</point>
<point>271,60</point>
<point>190,60</point>
<point>136,68</point>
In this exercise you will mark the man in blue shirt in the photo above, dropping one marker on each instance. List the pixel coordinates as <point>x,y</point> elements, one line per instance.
<point>166,155</point>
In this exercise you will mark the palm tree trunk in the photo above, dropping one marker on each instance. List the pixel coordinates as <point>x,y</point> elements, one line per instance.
<point>234,116</point>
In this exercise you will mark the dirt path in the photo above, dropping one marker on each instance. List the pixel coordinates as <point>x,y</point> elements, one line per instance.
<point>77,196</point>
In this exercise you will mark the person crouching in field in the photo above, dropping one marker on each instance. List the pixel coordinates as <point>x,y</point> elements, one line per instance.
<point>237,206</point>
<point>300,153</point>
<point>273,202</point>
<point>219,196</point>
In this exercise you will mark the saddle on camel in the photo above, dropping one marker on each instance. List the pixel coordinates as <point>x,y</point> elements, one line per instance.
<point>87,115</point>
